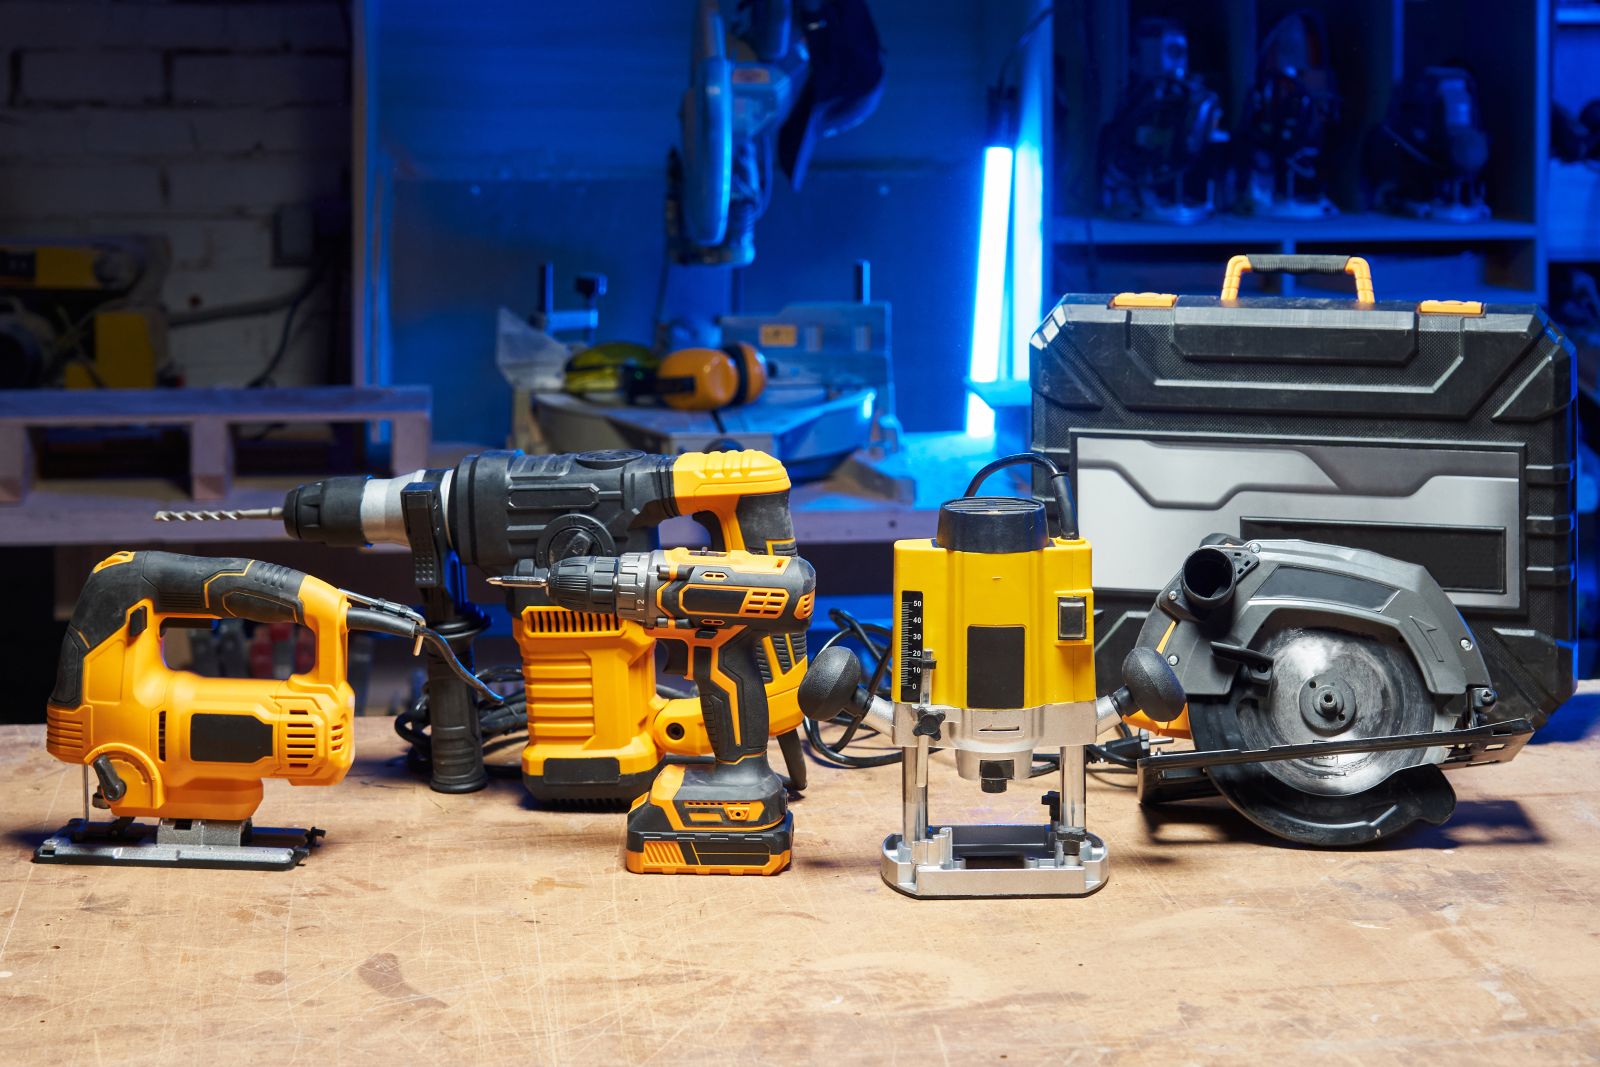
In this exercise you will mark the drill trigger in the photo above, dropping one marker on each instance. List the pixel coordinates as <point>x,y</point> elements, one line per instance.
<point>676,662</point>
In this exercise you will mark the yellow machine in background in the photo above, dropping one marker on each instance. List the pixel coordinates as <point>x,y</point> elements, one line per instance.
<point>193,751</point>
<point>83,315</point>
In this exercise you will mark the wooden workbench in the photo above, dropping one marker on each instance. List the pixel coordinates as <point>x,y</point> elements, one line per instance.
<point>464,929</point>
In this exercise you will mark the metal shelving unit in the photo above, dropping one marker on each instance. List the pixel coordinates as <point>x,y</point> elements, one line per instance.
<point>1372,46</point>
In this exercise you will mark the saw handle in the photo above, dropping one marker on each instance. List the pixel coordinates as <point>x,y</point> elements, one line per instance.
<point>172,585</point>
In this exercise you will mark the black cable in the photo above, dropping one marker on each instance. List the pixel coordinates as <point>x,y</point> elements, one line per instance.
<point>1060,486</point>
<point>265,377</point>
<point>495,719</point>
<point>1022,42</point>
<point>833,752</point>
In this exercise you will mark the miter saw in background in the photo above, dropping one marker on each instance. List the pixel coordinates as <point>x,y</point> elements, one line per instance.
<point>761,92</point>
<point>1328,688</point>
<point>788,73</point>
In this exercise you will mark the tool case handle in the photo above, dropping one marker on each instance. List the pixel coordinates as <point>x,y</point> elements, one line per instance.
<point>1263,263</point>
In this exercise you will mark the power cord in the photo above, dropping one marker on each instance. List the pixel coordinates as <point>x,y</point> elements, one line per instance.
<point>874,642</point>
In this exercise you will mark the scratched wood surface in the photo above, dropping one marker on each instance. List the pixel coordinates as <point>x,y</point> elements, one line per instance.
<point>469,929</point>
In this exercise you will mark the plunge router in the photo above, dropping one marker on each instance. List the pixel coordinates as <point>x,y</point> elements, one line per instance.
<point>994,653</point>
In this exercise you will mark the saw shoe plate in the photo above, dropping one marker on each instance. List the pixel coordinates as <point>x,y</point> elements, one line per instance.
<point>249,848</point>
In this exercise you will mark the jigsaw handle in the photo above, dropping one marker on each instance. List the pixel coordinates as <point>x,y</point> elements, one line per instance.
<point>197,586</point>
<point>135,591</point>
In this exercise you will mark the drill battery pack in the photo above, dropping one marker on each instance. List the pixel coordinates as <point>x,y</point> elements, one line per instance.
<point>1440,433</point>
<point>766,851</point>
<point>695,822</point>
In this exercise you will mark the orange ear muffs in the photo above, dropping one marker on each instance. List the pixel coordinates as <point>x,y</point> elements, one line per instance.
<point>708,379</point>
<point>751,366</point>
<point>697,379</point>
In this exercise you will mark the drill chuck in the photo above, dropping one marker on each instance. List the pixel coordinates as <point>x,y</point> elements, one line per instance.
<point>611,585</point>
<point>327,512</point>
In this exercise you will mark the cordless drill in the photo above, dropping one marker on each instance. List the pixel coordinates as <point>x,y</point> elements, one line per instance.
<point>729,817</point>
<point>597,730</point>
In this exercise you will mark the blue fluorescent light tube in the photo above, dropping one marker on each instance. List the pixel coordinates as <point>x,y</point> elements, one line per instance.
<point>987,314</point>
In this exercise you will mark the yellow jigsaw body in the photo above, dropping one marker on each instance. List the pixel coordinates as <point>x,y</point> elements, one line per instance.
<point>189,747</point>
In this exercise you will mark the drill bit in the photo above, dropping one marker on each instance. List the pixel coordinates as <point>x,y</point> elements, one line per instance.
<point>521,581</point>
<point>226,514</point>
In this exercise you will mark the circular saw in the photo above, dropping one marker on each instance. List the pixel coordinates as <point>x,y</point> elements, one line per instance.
<point>1327,690</point>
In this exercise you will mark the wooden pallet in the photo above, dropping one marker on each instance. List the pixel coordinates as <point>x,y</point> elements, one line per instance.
<point>209,416</point>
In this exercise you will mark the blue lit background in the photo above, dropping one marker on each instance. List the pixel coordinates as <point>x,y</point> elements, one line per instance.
<point>517,133</point>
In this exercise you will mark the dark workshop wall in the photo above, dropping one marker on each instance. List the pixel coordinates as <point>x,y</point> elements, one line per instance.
<point>517,133</point>
<point>196,124</point>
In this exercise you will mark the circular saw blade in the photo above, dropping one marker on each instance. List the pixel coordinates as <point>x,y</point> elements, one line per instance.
<point>1329,685</point>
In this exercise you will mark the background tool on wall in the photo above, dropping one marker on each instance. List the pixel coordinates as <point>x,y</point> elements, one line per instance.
<point>1327,688</point>
<point>1158,156</point>
<point>1286,122</point>
<point>1426,159</point>
<point>189,751</point>
<point>597,730</point>
<point>726,610</point>
<point>994,658</point>
<point>1440,433</point>
<point>82,314</point>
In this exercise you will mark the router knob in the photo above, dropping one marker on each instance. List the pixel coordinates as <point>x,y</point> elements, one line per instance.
<point>1151,686</point>
<point>832,685</point>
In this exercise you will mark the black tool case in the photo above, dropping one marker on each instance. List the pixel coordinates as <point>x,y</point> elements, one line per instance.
<point>1441,433</point>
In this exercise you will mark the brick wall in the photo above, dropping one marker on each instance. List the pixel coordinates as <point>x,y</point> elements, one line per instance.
<point>195,122</point>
